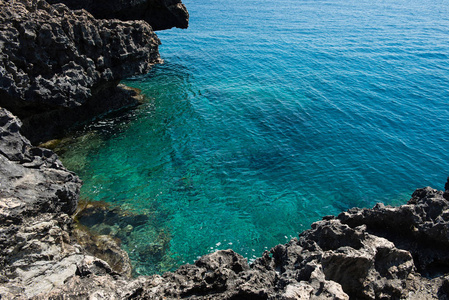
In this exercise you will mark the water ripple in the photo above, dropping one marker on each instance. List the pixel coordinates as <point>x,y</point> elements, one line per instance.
<point>267,116</point>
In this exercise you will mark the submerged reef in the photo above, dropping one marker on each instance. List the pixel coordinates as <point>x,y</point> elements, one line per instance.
<point>59,67</point>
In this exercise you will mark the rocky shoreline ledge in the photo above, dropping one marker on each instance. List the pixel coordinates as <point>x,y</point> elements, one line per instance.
<point>379,253</point>
<point>59,67</point>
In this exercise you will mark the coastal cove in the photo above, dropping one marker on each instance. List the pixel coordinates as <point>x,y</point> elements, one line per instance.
<point>238,158</point>
<point>256,127</point>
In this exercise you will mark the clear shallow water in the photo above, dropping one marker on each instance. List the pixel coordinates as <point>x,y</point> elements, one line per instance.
<point>267,116</point>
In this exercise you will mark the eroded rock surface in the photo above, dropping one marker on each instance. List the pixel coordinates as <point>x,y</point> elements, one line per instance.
<point>53,58</point>
<point>379,253</point>
<point>36,194</point>
<point>342,257</point>
<point>33,179</point>
<point>160,14</point>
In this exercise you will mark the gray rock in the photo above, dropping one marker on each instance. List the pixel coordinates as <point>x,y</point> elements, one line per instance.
<point>420,227</point>
<point>36,194</point>
<point>338,258</point>
<point>33,179</point>
<point>53,58</point>
<point>160,14</point>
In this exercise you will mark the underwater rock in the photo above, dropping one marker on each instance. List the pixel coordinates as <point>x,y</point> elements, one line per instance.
<point>104,247</point>
<point>99,224</point>
<point>160,14</point>
<point>100,228</point>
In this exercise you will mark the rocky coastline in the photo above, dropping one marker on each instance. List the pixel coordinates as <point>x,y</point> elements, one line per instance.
<point>60,65</point>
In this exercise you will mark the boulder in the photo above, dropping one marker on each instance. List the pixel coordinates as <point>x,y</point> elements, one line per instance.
<point>33,179</point>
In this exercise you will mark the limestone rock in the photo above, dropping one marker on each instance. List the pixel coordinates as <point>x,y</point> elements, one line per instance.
<point>379,253</point>
<point>420,227</point>
<point>37,253</point>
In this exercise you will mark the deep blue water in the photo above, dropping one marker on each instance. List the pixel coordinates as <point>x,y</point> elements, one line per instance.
<point>268,115</point>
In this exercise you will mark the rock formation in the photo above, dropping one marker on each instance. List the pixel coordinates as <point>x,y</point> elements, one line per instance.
<point>379,253</point>
<point>160,14</point>
<point>53,59</point>
<point>37,194</point>
<point>38,252</point>
<point>58,66</point>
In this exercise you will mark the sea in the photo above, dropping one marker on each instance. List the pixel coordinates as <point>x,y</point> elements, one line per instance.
<point>266,116</point>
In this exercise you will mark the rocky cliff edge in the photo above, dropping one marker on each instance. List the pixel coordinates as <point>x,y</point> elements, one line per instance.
<point>54,60</point>
<point>379,253</point>
<point>59,67</point>
<point>160,14</point>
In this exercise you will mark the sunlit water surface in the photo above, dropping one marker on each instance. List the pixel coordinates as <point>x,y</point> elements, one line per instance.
<point>268,115</point>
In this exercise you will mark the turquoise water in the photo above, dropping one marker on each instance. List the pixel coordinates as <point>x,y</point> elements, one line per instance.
<point>268,115</point>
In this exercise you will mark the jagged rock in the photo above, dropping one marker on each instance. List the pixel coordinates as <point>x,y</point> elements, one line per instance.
<point>33,179</point>
<point>37,253</point>
<point>379,253</point>
<point>226,275</point>
<point>446,190</point>
<point>105,248</point>
<point>160,14</point>
<point>420,227</point>
<point>338,258</point>
<point>53,58</point>
<point>36,194</point>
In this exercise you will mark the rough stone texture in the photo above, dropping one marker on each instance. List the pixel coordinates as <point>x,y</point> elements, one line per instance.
<point>36,194</point>
<point>379,253</point>
<point>344,257</point>
<point>420,227</point>
<point>53,61</point>
<point>33,179</point>
<point>160,14</point>
<point>37,253</point>
<point>53,58</point>
<point>105,248</point>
